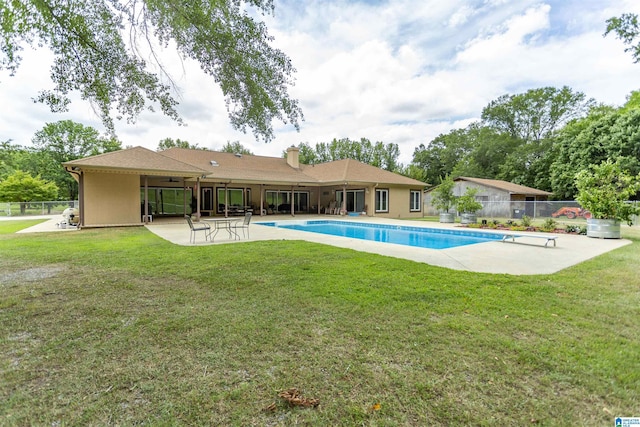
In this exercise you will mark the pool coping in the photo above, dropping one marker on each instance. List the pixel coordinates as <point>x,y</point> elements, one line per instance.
<point>525,258</point>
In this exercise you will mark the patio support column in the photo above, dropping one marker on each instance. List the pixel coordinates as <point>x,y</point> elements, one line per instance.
<point>226,201</point>
<point>292,211</point>
<point>145,218</point>
<point>184,196</point>
<point>319,191</point>
<point>81,197</point>
<point>198,198</point>
<point>343,205</point>
<point>262,211</point>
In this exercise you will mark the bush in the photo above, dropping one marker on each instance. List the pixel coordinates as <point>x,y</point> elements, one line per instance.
<point>604,190</point>
<point>526,221</point>
<point>549,225</point>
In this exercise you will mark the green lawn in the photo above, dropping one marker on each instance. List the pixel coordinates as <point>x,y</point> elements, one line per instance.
<point>118,327</point>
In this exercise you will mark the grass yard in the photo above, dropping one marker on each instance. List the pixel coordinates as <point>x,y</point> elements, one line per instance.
<point>119,327</point>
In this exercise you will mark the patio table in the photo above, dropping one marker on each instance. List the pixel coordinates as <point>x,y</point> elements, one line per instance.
<point>218,224</point>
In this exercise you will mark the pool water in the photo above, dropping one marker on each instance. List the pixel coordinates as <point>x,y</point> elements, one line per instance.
<point>432,238</point>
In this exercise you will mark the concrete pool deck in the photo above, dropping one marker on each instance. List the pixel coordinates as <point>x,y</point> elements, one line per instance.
<point>527,257</point>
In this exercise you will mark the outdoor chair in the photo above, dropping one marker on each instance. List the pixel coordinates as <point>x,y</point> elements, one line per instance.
<point>244,225</point>
<point>200,227</point>
<point>329,210</point>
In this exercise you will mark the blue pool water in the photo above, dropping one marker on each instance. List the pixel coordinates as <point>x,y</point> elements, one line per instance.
<point>432,238</point>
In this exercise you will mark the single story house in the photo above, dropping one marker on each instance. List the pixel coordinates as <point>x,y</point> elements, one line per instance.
<point>500,199</point>
<point>131,186</point>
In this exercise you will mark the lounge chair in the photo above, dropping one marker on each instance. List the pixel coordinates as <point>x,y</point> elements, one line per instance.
<point>200,227</point>
<point>244,225</point>
<point>330,210</point>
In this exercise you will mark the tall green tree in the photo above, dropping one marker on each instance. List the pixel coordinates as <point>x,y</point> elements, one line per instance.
<point>15,157</point>
<point>102,47</point>
<point>606,134</point>
<point>22,187</point>
<point>533,118</point>
<point>379,154</point>
<point>64,141</point>
<point>536,114</point>
<point>308,154</point>
<point>476,151</point>
<point>627,28</point>
<point>235,147</point>
<point>167,143</point>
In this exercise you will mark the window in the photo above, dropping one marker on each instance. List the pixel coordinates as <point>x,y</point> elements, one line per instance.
<point>382,200</point>
<point>415,201</point>
<point>166,201</point>
<point>234,198</point>
<point>280,201</point>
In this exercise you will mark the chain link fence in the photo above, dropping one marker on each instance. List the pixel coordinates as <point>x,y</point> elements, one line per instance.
<point>36,208</point>
<point>560,210</point>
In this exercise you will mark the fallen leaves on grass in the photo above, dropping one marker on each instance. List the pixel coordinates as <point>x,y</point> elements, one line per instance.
<point>293,398</point>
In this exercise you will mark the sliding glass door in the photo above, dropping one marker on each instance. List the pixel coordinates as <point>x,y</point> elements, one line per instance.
<point>355,200</point>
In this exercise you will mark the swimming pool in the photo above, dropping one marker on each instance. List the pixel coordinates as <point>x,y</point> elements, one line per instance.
<point>432,238</point>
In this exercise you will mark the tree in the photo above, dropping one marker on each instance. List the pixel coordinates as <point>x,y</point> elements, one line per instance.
<point>64,141</point>
<point>384,156</point>
<point>178,143</point>
<point>307,156</point>
<point>476,151</point>
<point>443,198</point>
<point>16,157</point>
<point>533,118</point>
<point>22,187</point>
<point>236,148</point>
<point>91,57</point>
<point>604,190</point>
<point>603,135</point>
<point>627,29</point>
<point>536,114</point>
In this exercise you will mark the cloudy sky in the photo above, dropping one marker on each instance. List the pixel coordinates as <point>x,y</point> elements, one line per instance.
<point>397,71</point>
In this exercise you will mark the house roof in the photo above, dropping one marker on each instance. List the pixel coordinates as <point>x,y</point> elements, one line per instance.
<point>246,168</point>
<point>353,171</point>
<point>229,167</point>
<point>509,187</point>
<point>140,159</point>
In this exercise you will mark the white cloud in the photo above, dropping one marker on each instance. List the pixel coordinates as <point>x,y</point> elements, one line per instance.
<point>398,72</point>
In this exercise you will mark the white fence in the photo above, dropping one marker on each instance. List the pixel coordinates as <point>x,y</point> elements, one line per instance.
<point>535,209</point>
<point>36,208</point>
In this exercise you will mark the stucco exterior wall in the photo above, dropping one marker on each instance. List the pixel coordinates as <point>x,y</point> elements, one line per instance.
<point>111,199</point>
<point>399,204</point>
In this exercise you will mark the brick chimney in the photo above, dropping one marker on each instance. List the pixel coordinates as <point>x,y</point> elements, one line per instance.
<point>293,157</point>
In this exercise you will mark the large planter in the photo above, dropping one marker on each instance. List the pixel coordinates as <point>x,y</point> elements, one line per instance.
<point>468,218</point>
<point>446,217</point>
<point>603,228</point>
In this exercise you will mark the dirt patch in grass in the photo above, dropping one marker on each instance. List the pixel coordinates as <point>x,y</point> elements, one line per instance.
<point>33,274</point>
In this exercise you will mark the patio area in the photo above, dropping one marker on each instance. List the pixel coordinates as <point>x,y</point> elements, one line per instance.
<point>491,257</point>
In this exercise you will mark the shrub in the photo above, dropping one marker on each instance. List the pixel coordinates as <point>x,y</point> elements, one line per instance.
<point>526,221</point>
<point>549,225</point>
<point>604,190</point>
<point>443,197</point>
